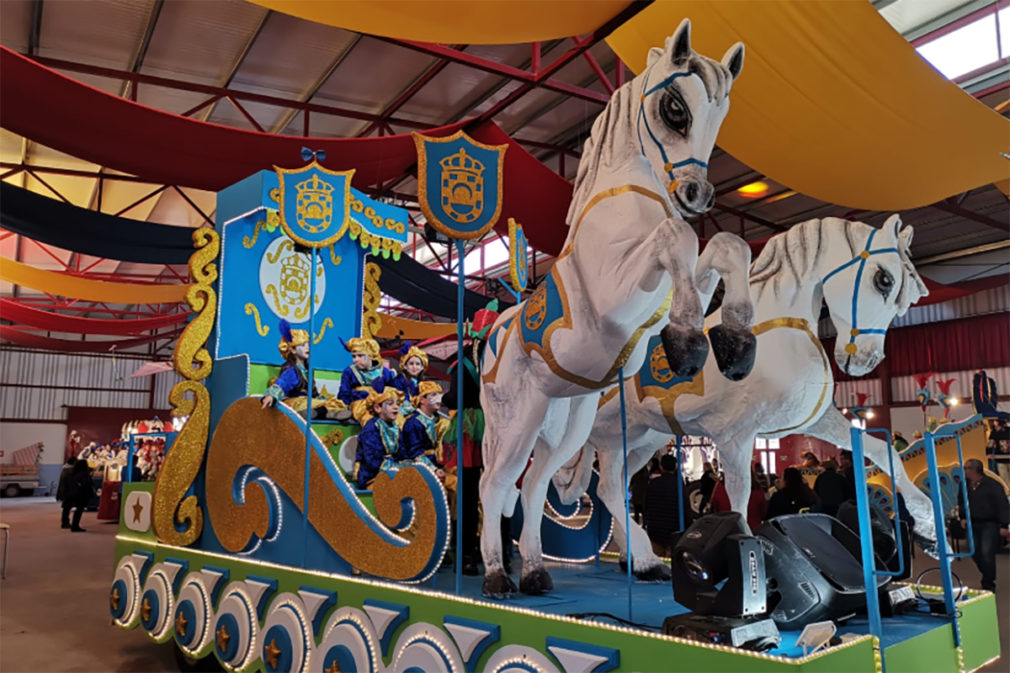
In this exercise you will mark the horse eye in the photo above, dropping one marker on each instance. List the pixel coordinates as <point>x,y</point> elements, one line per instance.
<point>674,113</point>
<point>883,281</point>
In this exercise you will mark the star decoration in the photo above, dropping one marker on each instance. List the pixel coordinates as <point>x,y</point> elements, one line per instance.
<point>145,610</point>
<point>138,508</point>
<point>333,668</point>
<point>272,652</point>
<point>180,624</point>
<point>114,598</point>
<point>222,638</point>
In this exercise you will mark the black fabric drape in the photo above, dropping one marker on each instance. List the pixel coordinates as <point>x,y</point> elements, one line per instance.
<point>88,232</point>
<point>416,285</point>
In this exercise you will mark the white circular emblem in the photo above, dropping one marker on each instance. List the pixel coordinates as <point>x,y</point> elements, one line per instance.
<point>284,280</point>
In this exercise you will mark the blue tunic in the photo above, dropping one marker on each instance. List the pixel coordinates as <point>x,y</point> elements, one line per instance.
<point>356,384</point>
<point>291,382</point>
<point>375,443</point>
<point>407,385</point>
<point>417,438</point>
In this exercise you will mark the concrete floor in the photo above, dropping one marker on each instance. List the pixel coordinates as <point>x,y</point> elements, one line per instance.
<point>54,603</point>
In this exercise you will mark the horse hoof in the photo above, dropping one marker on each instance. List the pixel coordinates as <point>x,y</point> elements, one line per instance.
<point>927,545</point>
<point>734,351</point>
<point>498,585</point>
<point>659,573</point>
<point>686,350</point>
<point>536,582</point>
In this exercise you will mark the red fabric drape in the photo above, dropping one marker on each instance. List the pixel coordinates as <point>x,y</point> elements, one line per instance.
<point>29,315</point>
<point>23,338</point>
<point>950,346</point>
<point>82,121</point>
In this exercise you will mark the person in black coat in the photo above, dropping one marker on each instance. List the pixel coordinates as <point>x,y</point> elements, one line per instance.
<point>662,510</point>
<point>830,487</point>
<point>77,494</point>
<point>794,496</point>
<point>990,518</point>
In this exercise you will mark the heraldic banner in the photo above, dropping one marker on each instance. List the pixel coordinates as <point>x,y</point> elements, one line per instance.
<point>459,184</point>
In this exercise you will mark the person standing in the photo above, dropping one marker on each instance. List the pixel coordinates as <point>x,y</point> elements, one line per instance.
<point>662,511</point>
<point>77,493</point>
<point>990,518</point>
<point>794,496</point>
<point>830,487</point>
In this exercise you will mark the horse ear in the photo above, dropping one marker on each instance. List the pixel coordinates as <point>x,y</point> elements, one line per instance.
<point>733,59</point>
<point>681,42</point>
<point>654,55</point>
<point>906,236</point>
<point>892,225</point>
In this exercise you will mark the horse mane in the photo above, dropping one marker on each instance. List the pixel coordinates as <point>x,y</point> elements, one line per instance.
<point>793,255</point>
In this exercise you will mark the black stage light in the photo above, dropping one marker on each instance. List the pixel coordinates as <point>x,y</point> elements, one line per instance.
<point>716,548</point>
<point>746,633</point>
<point>884,543</point>
<point>814,569</point>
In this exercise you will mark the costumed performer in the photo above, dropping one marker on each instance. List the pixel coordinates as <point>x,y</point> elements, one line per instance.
<point>421,436</point>
<point>473,436</point>
<point>380,438</point>
<point>292,384</point>
<point>365,369</point>
<point>413,364</point>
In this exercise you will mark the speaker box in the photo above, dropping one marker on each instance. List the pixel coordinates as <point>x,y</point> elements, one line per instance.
<point>716,548</point>
<point>814,569</point>
<point>757,635</point>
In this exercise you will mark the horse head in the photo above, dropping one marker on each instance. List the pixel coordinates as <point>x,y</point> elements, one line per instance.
<point>685,97</point>
<point>863,294</point>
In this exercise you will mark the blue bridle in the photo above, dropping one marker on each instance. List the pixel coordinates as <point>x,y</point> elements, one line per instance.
<point>668,166</point>
<point>860,259</point>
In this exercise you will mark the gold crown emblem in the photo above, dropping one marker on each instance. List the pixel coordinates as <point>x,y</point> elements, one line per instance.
<point>314,186</point>
<point>314,204</point>
<point>463,163</point>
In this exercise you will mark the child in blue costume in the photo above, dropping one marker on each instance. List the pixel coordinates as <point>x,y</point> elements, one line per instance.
<point>380,438</point>
<point>421,436</point>
<point>356,380</point>
<point>413,363</point>
<point>292,384</point>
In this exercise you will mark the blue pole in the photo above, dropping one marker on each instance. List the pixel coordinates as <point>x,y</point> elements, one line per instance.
<point>680,485</point>
<point>308,417</point>
<point>460,280</point>
<point>627,504</point>
<point>866,539</point>
<point>941,539</point>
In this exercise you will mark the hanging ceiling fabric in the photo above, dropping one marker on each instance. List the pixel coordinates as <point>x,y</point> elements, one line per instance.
<point>22,338</point>
<point>18,312</point>
<point>80,287</point>
<point>833,103</point>
<point>451,21</point>
<point>91,233</point>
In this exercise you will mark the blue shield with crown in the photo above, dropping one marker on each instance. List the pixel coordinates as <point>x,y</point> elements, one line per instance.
<point>314,203</point>
<point>459,183</point>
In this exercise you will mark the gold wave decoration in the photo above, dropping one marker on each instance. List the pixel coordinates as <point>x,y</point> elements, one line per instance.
<point>322,331</point>
<point>261,329</point>
<point>270,224</point>
<point>371,321</point>
<point>172,507</point>
<point>238,442</point>
<point>281,307</point>
<point>334,257</point>
<point>281,249</point>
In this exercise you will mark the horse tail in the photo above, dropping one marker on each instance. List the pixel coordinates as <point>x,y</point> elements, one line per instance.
<point>572,479</point>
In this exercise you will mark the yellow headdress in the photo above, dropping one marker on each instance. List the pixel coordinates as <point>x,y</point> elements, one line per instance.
<point>290,338</point>
<point>408,351</point>
<point>362,345</point>
<point>426,388</point>
<point>380,393</point>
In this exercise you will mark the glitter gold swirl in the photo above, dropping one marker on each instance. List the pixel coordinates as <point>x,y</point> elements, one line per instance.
<point>334,257</point>
<point>371,322</point>
<point>322,331</point>
<point>261,329</point>
<point>177,518</point>
<point>238,442</point>
<point>248,242</point>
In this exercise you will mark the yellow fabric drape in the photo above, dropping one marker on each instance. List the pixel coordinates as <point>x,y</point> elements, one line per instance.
<point>76,287</point>
<point>833,103</point>
<point>452,21</point>
<point>414,330</point>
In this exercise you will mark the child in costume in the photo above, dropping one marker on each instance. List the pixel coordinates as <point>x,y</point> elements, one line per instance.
<point>380,438</point>
<point>356,380</point>
<point>292,384</point>
<point>413,363</point>
<point>421,436</point>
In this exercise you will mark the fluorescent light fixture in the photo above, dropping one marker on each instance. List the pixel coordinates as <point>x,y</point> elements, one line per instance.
<point>965,49</point>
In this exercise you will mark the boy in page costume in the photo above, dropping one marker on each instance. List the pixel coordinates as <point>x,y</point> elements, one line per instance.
<point>413,363</point>
<point>379,439</point>
<point>292,384</point>
<point>356,380</point>
<point>421,436</point>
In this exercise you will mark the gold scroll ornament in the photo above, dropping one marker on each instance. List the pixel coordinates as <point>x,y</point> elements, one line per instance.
<point>371,321</point>
<point>238,442</point>
<point>177,518</point>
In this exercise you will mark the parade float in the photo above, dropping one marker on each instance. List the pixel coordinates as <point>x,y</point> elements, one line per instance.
<point>254,546</point>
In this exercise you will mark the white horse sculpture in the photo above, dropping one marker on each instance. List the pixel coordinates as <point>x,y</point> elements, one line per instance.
<point>865,277</point>
<point>628,266</point>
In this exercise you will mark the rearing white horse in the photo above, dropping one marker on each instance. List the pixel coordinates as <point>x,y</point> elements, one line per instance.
<point>865,277</point>
<point>628,268</point>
